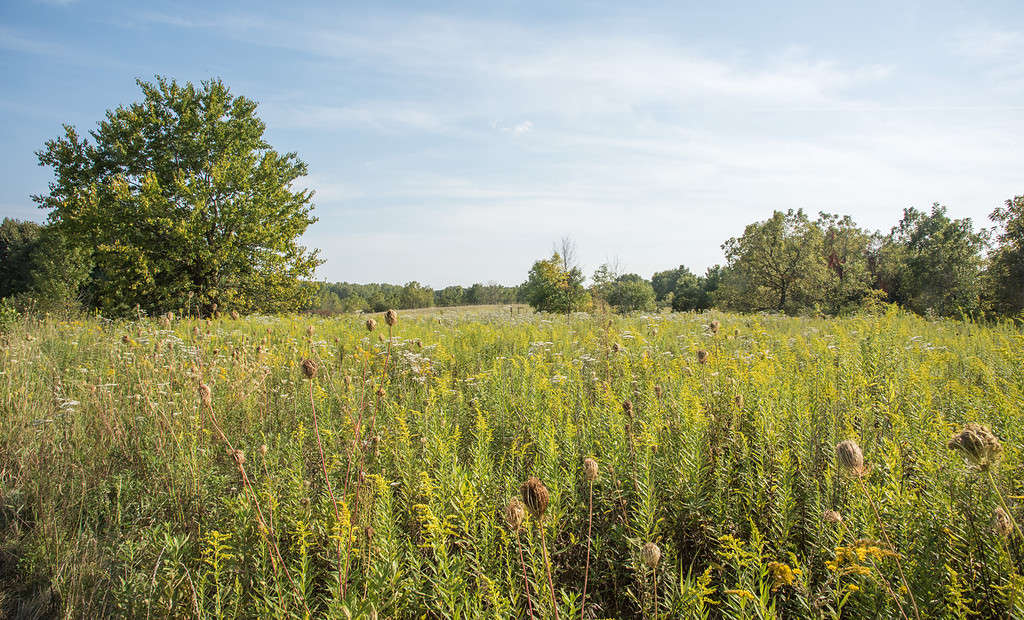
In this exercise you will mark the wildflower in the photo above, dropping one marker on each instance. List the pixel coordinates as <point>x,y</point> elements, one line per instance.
<point>976,443</point>
<point>515,512</point>
<point>781,574</point>
<point>309,368</point>
<point>391,317</point>
<point>850,457</point>
<point>535,496</point>
<point>650,554</point>
<point>590,469</point>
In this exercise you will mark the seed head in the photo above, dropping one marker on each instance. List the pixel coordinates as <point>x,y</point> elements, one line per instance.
<point>263,449</point>
<point>371,325</point>
<point>976,443</point>
<point>702,356</point>
<point>590,469</point>
<point>515,512</point>
<point>627,407</point>
<point>713,326</point>
<point>650,554</point>
<point>237,456</point>
<point>616,348</point>
<point>850,457</point>
<point>380,392</point>
<point>657,391</point>
<point>739,401</point>
<point>391,317</point>
<point>205,396</point>
<point>1001,522</point>
<point>535,496</point>
<point>309,368</point>
<point>309,331</point>
<point>234,315</point>
<point>833,516</point>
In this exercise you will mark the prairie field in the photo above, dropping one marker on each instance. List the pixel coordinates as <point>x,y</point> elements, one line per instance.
<point>190,468</point>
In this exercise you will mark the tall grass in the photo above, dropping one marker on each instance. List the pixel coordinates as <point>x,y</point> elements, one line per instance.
<point>377,478</point>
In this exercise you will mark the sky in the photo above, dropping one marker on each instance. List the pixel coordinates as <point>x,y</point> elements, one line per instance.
<point>457,143</point>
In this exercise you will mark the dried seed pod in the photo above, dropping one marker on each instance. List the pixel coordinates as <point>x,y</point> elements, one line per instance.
<point>515,512</point>
<point>850,457</point>
<point>590,469</point>
<point>979,447</point>
<point>371,325</point>
<point>309,331</point>
<point>237,456</point>
<point>535,496</point>
<point>391,317</point>
<point>657,391</point>
<point>234,315</point>
<point>833,516</point>
<point>650,554</point>
<point>713,326</point>
<point>1001,522</point>
<point>309,368</point>
<point>627,408</point>
<point>702,356</point>
<point>205,396</point>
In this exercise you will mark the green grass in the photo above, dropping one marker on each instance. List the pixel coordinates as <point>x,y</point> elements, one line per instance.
<point>118,496</point>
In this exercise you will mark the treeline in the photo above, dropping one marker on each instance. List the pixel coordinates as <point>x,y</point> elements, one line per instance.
<point>928,262</point>
<point>339,297</point>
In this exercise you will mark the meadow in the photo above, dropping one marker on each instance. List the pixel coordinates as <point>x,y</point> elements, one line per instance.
<point>494,464</point>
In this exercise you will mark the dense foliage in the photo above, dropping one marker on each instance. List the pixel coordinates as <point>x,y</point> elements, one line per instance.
<point>180,202</point>
<point>129,489</point>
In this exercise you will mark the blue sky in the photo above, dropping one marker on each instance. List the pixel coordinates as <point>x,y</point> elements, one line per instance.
<point>456,143</point>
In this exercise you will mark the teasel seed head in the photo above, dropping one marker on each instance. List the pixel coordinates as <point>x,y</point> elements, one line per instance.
<point>713,326</point>
<point>702,356</point>
<point>234,315</point>
<point>650,554</point>
<point>391,317</point>
<point>979,447</point>
<point>205,396</point>
<point>1001,522</point>
<point>590,469</point>
<point>535,497</point>
<point>309,368</point>
<point>515,512</point>
<point>371,325</point>
<point>850,457</point>
<point>833,516</point>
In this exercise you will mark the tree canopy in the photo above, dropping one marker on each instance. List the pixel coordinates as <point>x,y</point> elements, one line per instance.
<point>179,199</point>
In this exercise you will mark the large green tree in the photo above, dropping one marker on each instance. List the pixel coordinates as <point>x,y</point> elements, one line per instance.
<point>1006,263</point>
<point>180,200</point>
<point>931,263</point>
<point>554,287</point>
<point>775,265</point>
